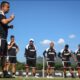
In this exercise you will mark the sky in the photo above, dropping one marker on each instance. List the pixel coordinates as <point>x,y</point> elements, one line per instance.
<point>45,21</point>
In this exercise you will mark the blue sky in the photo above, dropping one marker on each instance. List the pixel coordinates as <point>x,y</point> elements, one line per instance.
<point>45,21</point>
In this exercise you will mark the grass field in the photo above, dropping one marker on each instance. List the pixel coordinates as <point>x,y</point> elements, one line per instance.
<point>21,78</point>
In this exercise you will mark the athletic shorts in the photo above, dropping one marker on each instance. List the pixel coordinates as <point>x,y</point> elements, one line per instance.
<point>50,63</point>
<point>31,62</point>
<point>66,64</point>
<point>13,60</point>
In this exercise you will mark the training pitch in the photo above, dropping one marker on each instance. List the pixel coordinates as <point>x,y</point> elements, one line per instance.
<point>23,78</point>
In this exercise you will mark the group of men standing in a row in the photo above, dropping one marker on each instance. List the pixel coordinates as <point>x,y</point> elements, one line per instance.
<point>50,55</point>
<point>8,51</point>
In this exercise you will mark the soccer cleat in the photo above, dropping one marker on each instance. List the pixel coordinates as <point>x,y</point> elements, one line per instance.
<point>36,77</point>
<point>26,76</point>
<point>48,77</point>
<point>14,76</point>
<point>7,76</point>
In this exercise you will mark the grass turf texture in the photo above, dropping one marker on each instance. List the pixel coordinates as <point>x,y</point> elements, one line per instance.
<point>23,78</point>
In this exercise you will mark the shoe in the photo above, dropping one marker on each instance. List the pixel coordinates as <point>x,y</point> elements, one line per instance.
<point>48,77</point>
<point>36,77</point>
<point>7,76</point>
<point>14,76</point>
<point>26,76</point>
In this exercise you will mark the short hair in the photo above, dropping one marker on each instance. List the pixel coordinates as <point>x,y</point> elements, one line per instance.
<point>12,36</point>
<point>3,3</point>
<point>67,46</point>
<point>79,45</point>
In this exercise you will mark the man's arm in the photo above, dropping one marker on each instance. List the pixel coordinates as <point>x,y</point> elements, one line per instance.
<point>73,56</point>
<point>6,21</point>
<point>26,51</point>
<point>17,49</point>
<point>59,55</point>
<point>44,53</point>
<point>10,45</point>
<point>55,53</point>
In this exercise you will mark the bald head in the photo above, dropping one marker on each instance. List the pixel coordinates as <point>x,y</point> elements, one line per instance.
<point>51,44</point>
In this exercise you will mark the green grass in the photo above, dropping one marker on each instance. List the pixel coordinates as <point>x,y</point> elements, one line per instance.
<point>23,78</point>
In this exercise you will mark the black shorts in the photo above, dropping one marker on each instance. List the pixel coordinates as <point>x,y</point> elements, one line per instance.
<point>13,60</point>
<point>3,48</point>
<point>31,62</point>
<point>66,64</point>
<point>50,64</point>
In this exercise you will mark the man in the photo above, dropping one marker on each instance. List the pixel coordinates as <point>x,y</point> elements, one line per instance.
<point>77,53</point>
<point>30,54</point>
<point>12,54</point>
<point>50,54</point>
<point>4,26</point>
<point>65,55</point>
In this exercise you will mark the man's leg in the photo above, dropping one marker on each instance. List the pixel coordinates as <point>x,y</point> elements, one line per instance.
<point>4,68</point>
<point>51,68</point>
<point>71,70</point>
<point>4,53</point>
<point>72,73</point>
<point>27,70</point>
<point>33,65</point>
<point>33,71</point>
<point>8,66</point>
<point>48,70</point>
<point>78,67</point>
<point>13,69</point>
<point>79,72</point>
<point>27,66</point>
<point>64,68</point>
<point>13,63</point>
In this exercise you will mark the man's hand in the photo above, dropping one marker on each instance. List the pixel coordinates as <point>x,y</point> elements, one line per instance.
<point>6,21</point>
<point>12,43</point>
<point>12,16</point>
<point>10,26</point>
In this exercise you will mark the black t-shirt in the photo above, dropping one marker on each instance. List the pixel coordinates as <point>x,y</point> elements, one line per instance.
<point>51,54</point>
<point>30,51</point>
<point>66,55</point>
<point>3,27</point>
<point>12,51</point>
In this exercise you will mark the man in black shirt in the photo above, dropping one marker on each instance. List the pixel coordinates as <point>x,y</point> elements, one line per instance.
<point>30,54</point>
<point>77,53</point>
<point>4,26</point>
<point>65,55</point>
<point>50,55</point>
<point>12,54</point>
